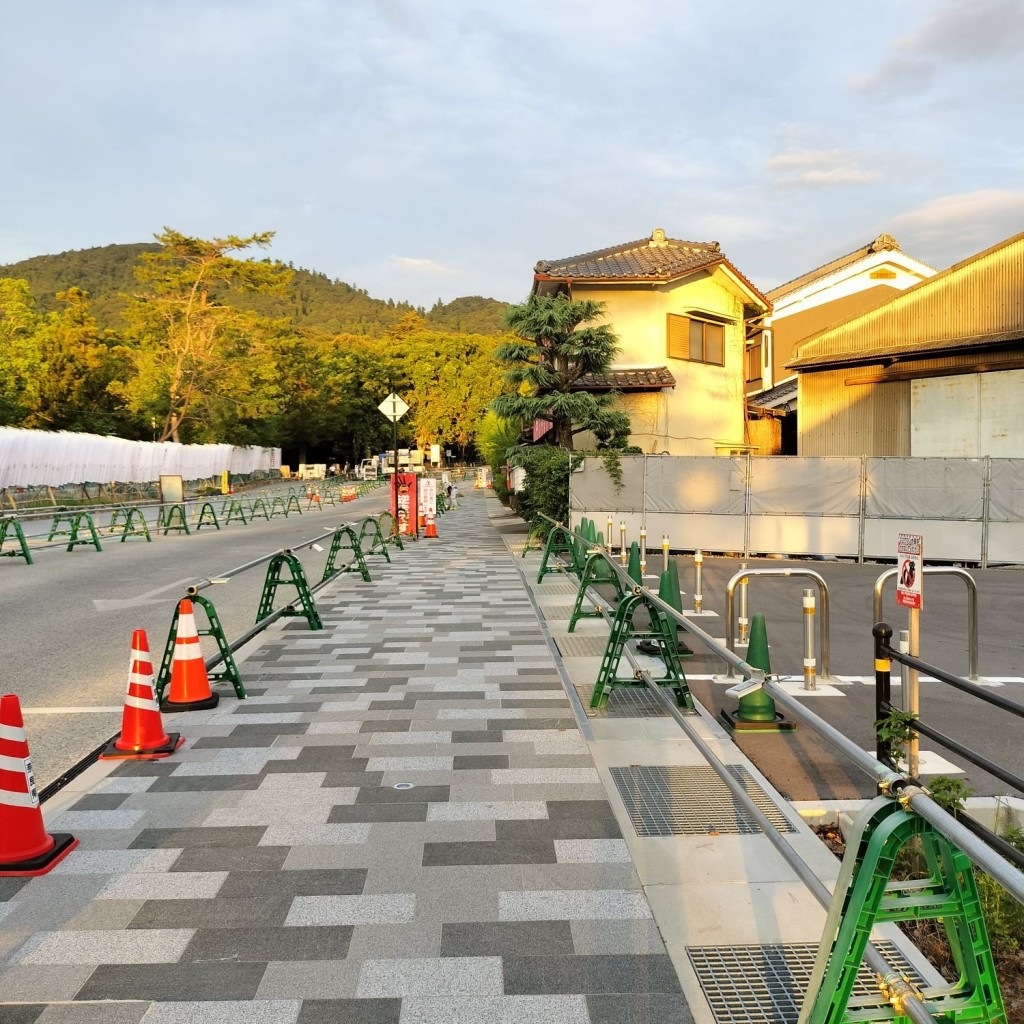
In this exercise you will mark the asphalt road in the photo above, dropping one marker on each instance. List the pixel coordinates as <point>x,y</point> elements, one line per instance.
<point>66,621</point>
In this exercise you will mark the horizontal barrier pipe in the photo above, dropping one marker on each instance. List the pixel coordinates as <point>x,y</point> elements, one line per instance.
<point>971,755</point>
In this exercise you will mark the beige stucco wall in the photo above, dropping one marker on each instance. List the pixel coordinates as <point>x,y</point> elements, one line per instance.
<point>706,407</point>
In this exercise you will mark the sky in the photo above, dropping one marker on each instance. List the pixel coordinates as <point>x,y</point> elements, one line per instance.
<point>427,150</point>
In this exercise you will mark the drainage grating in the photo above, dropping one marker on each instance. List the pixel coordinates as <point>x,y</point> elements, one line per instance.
<point>624,702</point>
<point>581,646</point>
<point>691,800</point>
<point>765,984</point>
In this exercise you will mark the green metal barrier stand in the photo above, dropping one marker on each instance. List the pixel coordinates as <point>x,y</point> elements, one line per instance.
<point>560,542</point>
<point>207,516</point>
<point>378,545</point>
<point>866,895</point>
<point>391,534</point>
<point>235,513</point>
<point>135,526</point>
<point>358,563</point>
<point>62,517</point>
<point>297,579</point>
<point>259,508</point>
<point>278,506</point>
<point>227,674</point>
<point>595,571</point>
<point>623,632</point>
<point>82,520</point>
<point>293,504</point>
<point>6,526</point>
<point>172,517</point>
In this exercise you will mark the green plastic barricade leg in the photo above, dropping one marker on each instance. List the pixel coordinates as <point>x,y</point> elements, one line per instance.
<point>135,526</point>
<point>623,632</point>
<point>293,504</point>
<point>227,674</point>
<point>278,507</point>
<point>207,517</point>
<point>389,530</point>
<point>358,563</point>
<point>9,525</point>
<point>172,517</point>
<point>595,571</point>
<point>378,543</point>
<point>297,579</point>
<point>533,538</point>
<point>62,518</point>
<point>83,521</point>
<point>117,519</point>
<point>235,513</point>
<point>259,508</point>
<point>559,543</point>
<point>866,895</point>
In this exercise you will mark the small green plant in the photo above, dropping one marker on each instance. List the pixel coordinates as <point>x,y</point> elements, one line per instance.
<point>949,794</point>
<point>897,730</point>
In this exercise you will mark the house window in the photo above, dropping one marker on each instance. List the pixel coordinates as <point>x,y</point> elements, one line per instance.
<point>696,340</point>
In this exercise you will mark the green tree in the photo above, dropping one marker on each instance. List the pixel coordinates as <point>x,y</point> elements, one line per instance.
<point>20,358</point>
<point>201,366</point>
<point>557,344</point>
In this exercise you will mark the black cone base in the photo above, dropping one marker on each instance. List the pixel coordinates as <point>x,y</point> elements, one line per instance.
<point>654,650</point>
<point>112,753</point>
<point>736,724</point>
<point>63,844</point>
<point>169,707</point>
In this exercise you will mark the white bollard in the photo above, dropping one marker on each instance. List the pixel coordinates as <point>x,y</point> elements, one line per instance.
<point>810,662</point>
<point>744,622</point>
<point>698,581</point>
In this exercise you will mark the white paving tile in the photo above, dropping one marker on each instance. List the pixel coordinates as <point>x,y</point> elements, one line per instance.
<point>115,862</point>
<point>312,834</point>
<point>572,904</point>
<point>418,1009</point>
<point>409,764</point>
<point>170,885</point>
<point>527,776</point>
<point>142,946</point>
<point>367,909</point>
<point>591,851</point>
<point>250,1011</point>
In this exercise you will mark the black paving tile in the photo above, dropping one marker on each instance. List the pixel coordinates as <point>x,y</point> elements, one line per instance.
<point>507,938</point>
<point>213,913</point>
<point>534,702</point>
<point>204,783</point>
<point>386,725</point>
<point>172,982</point>
<point>566,828</point>
<point>263,945</point>
<point>378,812</point>
<point>560,809</point>
<point>351,780</point>
<point>477,736</point>
<point>21,1013</point>
<point>9,887</point>
<point>518,724</point>
<point>133,769</point>
<point>283,708</point>
<point>464,762</point>
<point>100,801</point>
<point>611,973</point>
<point>303,882</point>
<point>351,1011</point>
<point>231,858</point>
<point>169,838</point>
<point>638,1008</point>
<point>506,851</point>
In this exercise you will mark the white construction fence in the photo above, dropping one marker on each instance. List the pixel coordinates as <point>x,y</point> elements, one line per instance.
<point>969,510</point>
<point>40,458</point>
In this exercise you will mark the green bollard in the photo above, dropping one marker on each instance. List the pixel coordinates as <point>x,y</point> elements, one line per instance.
<point>756,711</point>
<point>668,591</point>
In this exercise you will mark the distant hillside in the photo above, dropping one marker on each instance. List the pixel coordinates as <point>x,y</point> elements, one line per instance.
<point>314,300</point>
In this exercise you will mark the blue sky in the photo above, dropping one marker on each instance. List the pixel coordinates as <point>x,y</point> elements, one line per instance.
<point>429,150</point>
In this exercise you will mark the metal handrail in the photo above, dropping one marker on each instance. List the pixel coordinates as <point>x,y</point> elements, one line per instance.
<point>972,607</point>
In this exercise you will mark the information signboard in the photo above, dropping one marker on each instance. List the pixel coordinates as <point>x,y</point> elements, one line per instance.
<point>909,576</point>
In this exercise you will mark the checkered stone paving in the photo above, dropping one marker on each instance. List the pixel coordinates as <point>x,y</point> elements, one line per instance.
<point>401,824</point>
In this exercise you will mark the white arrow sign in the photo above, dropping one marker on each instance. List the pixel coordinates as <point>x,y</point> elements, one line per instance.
<point>393,407</point>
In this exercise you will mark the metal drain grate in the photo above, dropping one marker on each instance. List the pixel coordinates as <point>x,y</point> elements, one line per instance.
<point>765,984</point>
<point>624,702</point>
<point>581,646</point>
<point>691,800</point>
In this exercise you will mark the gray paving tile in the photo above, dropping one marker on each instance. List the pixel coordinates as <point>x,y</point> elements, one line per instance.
<point>100,801</point>
<point>165,885</point>
<point>129,1012</point>
<point>173,982</point>
<point>495,1010</point>
<point>267,884</point>
<point>222,913</point>
<point>591,851</point>
<point>638,1008</point>
<point>566,975</point>
<point>369,812</point>
<point>204,784</point>
<point>571,905</point>
<point>507,938</point>
<point>471,761</point>
<point>42,984</point>
<point>231,858</point>
<point>254,1011</point>
<point>566,828</point>
<point>331,834</point>
<point>506,851</point>
<point>155,946</point>
<point>616,936</point>
<point>109,862</point>
<point>434,976</point>
<point>103,914</point>
<point>415,938</point>
<point>26,1013</point>
<point>186,838</point>
<point>261,945</point>
<point>313,979</point>
<point>387,795</point>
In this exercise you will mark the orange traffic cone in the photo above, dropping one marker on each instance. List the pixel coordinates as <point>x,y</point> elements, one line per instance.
<point>142,731</point>
<point>25,846</point>
<point>316,496</point>
<point>431,530</point>
<point>190,685</point>
<point>309,492</point>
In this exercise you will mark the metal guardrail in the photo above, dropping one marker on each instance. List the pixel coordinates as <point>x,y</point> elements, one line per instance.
<point>890,782</point>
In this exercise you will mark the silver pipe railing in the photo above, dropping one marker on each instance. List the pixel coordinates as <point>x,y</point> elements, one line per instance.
<point>972,607</point>
<point>823,622</point>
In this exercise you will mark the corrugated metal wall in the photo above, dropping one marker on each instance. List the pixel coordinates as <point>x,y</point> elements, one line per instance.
<point>838,419</point>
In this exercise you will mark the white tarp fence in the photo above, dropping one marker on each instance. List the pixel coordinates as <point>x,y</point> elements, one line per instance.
<point>969,509</point>
<point>40,458</point>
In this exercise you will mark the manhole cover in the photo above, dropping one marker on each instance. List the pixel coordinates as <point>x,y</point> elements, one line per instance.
<point>691,800</point>
<point>403,785</point>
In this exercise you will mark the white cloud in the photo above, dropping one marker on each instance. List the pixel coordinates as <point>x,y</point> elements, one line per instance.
<point>817,168</point>
<point>417,265</point>
<point>949,228</point>
<point>959,32</point>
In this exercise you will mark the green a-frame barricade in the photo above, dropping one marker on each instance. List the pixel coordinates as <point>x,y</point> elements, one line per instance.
<point>560,542</point>
<point>8,525</point>
<point>866,895</point>
<point>134,525</point>
<point>172,517</point>
<point>378,542</point>
<point>79,522</point>
<point>61,525</point>
<point>227,674</point>
<point>391,534</point>
<point>259,508</point>
<point>596,570</point>
<point>297,579</point>
<point>205,516</point>
<point>623,631</point>
<point>358,563</point>
<point>233,512</point>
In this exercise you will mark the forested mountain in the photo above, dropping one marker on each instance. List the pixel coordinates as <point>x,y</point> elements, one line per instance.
<point>312,299</point>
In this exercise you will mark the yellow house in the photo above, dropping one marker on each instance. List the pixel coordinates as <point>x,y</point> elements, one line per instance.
<point>680,310</point>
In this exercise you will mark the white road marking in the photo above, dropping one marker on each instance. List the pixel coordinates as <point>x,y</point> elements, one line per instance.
<point>70,711</point>
<point>147,598</point>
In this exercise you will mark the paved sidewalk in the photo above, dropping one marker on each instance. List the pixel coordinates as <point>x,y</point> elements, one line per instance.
<point>402,823</point>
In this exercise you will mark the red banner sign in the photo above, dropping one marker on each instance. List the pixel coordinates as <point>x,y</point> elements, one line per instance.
<point>404,502</point>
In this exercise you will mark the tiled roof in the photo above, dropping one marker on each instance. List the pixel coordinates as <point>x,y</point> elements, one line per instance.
<point>776,397</point>
<point>883,243</point>
<point>646,379</point>
<point>657,258</point>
